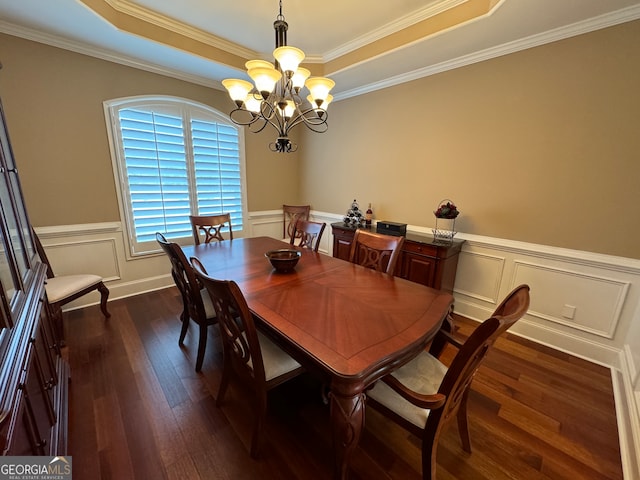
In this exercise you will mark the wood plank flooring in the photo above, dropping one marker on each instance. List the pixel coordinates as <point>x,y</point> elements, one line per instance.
<point>138,410</point>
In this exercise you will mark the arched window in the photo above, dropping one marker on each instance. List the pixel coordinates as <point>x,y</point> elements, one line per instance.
<point>173,158</point>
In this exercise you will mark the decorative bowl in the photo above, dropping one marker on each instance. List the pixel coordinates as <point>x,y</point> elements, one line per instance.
<point>283,260</point>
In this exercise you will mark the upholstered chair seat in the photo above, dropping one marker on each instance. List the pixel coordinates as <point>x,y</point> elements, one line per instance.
<point>423,375</point>
<point>276,361</point>
<point>61,288</point>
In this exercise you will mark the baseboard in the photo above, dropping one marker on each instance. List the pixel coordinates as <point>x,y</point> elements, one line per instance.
<point>627,402</point>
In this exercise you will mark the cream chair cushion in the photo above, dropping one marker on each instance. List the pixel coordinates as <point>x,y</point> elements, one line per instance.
<point>275,360</point>
<point>59,288</point>
<point>424,375</point>
<point>209,310</point>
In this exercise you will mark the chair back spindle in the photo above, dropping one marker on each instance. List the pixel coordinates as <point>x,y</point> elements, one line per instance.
<point>375,250</point>
<point>211,227</point>
<point>291,214</point>
<point>309,233</point>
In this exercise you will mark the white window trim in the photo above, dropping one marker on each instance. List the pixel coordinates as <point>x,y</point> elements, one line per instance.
<point>117,160</point>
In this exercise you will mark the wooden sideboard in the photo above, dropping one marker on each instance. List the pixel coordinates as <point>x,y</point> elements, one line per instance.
<point>34,378</point>
<point>422,260</point>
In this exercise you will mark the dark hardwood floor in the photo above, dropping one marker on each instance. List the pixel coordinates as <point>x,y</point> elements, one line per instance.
<point>138,410</point>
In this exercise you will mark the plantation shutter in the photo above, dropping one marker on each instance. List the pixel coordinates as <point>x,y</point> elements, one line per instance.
<point>156,167</point>
<point>218,182</point>
<point>174,159</point>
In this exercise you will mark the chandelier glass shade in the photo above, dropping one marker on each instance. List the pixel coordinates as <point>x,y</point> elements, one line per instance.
<point>276,95</point>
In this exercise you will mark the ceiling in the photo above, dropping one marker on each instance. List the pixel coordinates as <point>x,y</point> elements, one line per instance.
<point>362,48</point>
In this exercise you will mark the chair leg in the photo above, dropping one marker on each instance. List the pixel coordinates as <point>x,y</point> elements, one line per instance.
<point>261,413</point>
<point>184,318</point>
<point>202,345</point>
<point>224,380</point>
<point>429,451</point>
<point>463,423</point>
<point>104,296</point>
<point>437,346</point>
<point>58,326</point>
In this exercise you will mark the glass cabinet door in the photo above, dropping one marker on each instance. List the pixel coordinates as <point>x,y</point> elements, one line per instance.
<point>14,255</point>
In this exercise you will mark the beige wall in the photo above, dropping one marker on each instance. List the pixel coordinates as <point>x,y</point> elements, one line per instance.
<point>540,146</point>
<point>53,105</point>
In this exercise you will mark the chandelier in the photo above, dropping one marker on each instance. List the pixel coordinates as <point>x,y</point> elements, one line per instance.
<point>276,96</point>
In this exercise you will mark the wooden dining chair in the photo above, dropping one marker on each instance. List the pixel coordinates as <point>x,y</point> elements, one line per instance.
<point>424,394</point>
<point>291,214</point>
<point>309,233</point>
<point>196,304</point>
<point>210,226</point>
<point>248,355</point>
<point>62,289</point>
<point>376,250</point>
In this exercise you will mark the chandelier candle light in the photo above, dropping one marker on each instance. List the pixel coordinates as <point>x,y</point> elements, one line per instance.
<point>275,97</point>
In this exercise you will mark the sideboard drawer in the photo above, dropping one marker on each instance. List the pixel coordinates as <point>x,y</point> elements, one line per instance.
<point>421,248</point>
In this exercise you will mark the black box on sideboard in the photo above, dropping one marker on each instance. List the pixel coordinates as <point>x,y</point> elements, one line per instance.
<point>391,228</point>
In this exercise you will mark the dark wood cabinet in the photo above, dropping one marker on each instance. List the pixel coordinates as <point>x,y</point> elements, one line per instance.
<point>422,260</point>
<point>342,237</point>
<point>33,376</point>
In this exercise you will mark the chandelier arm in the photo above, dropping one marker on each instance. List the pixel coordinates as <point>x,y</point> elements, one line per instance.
<point>235,116</point>
<point>312,119</point>
<point>274,119</point>
<point>297,120</point>
<point>256,119</point>
<point>258,130</point>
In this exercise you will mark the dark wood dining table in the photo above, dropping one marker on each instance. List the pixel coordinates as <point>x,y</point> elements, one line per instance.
<point>350,324</point>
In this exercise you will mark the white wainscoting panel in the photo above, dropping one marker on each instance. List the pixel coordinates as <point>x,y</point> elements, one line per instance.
<point>479,276</point>
<point>266,224</point>
<point>92,256</point>
<point>591,303</point>
<point>597,291</point>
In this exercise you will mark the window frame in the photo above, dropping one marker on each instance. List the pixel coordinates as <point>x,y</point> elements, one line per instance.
<point>188,109</point>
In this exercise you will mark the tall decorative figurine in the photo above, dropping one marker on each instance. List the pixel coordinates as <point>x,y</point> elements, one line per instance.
<point>354,217</point>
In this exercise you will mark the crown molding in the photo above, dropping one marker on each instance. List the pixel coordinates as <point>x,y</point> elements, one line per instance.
<point>393,27</point>
<point>172,25</point>
<point>603,21</point>
<point>103,54</point>
<point>608,20</point>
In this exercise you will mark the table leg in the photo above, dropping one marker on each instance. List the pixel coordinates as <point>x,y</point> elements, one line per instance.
<point>347,421</point>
